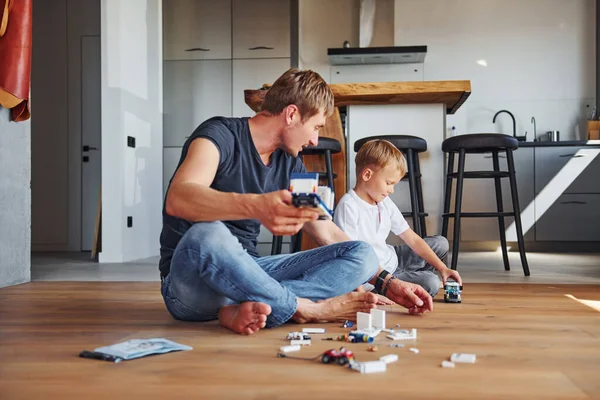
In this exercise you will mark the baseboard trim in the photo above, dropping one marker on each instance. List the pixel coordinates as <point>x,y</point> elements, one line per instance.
<point>541,247</point>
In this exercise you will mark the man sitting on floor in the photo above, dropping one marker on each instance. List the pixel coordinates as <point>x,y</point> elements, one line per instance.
<point>232,177</point>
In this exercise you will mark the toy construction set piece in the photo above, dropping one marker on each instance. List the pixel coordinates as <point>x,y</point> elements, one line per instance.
<point>306,192</point>
<point>453,292</point>
<point>353,337</point>
<point>403,335</point>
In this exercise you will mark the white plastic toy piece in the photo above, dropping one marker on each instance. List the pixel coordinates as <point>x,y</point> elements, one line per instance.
<point>390,358</point>
<point>369,367</point>
<point>414,350</point>
<point>313,330</point>
<point>396,344</point>
<point>304,183</point>
<point>378,318</point>
<point>463,358</point>
<point>447,364</point>
<point>364,321</point>
<point>300,342</point>
<point>388,330</point>
<point>403,335</point>
<point>365,325</point>
<point>297,336</point>
<point>290,348</point>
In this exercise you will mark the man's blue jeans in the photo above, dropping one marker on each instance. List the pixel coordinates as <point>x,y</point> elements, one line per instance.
<point>210,269</point>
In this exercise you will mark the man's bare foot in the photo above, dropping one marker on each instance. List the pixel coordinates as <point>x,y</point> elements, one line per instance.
<point>246,318</point>
<point>338,308</point>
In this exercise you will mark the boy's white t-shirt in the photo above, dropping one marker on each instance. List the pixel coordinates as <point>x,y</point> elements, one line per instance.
<point>372,224</point>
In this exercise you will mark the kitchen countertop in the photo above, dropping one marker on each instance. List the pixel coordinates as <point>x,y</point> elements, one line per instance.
<point>565,143</point>
<point>451,93</point>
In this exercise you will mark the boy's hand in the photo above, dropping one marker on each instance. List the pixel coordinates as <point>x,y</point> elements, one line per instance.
<point>450,273</point>
<point>410,296</point>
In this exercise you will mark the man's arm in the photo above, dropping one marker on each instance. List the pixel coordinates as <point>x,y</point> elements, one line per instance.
<point>423,250</point>
<point>190,196</point>
<point>325,232</point>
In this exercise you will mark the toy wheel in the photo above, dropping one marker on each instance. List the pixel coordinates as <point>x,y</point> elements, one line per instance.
<point>342,360</point>
<point>325,359</point>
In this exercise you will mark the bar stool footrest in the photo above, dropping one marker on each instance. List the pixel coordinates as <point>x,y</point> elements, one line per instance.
<point>480,174</point>
<point>481,214</point>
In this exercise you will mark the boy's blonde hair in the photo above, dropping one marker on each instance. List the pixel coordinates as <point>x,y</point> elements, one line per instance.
<point>306,89</point>
<point>377,154</point>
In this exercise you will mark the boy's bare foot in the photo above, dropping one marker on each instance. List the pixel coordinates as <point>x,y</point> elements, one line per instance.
<point>339,308</point>
<point>246,318</point>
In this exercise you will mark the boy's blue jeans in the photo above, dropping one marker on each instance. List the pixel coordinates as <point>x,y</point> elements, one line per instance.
<point>210,269</point>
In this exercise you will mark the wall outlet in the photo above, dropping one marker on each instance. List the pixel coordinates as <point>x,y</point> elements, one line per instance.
<point>129,221</point>
<point>130,141</point>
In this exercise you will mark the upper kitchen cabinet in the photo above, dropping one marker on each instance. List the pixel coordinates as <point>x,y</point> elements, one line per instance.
<point>197,29</point>
<point>194,91</point>
<point>261,28</point>
<point>252,74</point>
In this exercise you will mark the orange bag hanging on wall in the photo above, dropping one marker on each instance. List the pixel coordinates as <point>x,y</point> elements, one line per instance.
<point>15,57</point>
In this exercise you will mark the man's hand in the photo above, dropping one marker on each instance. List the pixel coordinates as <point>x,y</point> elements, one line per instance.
<point>450,273</point>
<point>409,295</point>
<point>384,301</point>
<point>275,211</point>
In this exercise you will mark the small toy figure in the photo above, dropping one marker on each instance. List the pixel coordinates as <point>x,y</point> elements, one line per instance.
<point>452,294</point>
<point>348,324</point>
<point>341,356</point>
<point>373,348</point>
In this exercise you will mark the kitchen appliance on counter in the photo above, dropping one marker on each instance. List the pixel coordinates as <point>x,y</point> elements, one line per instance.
<point>550,136</point>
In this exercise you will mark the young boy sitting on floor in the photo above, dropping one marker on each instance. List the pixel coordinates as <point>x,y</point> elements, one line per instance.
<point>368,214</point>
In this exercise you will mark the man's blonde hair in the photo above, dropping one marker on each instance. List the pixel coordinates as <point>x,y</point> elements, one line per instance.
<point>304,88</point>
<point>377,154</point>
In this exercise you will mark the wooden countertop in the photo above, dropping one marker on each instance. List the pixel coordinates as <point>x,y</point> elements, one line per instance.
<point>452,93</point>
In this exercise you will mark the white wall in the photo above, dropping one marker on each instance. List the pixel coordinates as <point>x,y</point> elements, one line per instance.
<point>131,42</point>
<point>15,200</point>
<point>534,58</point>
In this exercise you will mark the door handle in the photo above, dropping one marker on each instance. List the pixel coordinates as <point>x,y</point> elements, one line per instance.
<point>261,48</point>
<point>197,49</point>
<point>573,202</point>
<point>88,148</point>
<point>572,155</point>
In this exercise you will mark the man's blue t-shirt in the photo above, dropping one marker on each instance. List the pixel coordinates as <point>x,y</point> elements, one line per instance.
<point>240,170</point>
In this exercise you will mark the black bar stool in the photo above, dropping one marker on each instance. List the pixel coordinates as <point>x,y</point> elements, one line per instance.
<point>482,143</point>
<point>326,147</point>
<point>411,146</point>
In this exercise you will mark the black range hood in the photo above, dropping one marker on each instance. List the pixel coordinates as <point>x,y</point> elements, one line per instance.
<point>377,55</point>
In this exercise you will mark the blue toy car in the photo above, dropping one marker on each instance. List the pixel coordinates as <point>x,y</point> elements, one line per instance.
<point>452,294</point>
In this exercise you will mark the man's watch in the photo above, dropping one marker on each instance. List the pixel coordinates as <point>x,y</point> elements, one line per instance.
<point>379,282</point>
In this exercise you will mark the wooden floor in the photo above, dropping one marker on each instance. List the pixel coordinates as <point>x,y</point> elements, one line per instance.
<point>531,342</point>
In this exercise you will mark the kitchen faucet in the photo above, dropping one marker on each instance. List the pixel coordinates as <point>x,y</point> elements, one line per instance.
<point>534,128</point>
<point>521,138</point>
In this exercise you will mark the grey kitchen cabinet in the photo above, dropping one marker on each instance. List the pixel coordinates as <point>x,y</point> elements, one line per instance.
<point>567,189</point>
<point>252,74</point>
<point>261,28</point>
<point>572,217</point>
<point>194,91</point>
<point>197,29</point>
<point>567,170</point>
<point>480,195</point>
<point>171,157</point>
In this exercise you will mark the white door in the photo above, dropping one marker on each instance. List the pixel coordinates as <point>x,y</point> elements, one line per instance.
<point>91,169</point>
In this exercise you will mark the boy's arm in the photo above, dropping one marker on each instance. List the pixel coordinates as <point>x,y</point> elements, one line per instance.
<point>423,250</point>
